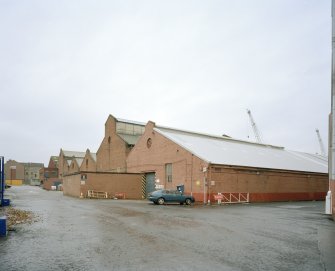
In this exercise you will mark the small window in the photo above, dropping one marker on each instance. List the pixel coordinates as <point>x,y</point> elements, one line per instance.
<point>149,142</point>
<point>168,172</point>
<point>86,163</point>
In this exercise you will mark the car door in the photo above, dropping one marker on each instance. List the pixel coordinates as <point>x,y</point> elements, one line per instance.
<point>178,197</point>
<point>168,195</point>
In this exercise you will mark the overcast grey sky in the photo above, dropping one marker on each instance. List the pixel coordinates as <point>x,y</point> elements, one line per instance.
<point>195,65</point>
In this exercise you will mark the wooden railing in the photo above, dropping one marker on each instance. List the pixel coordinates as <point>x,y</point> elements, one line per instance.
<point>232,197</point>
<point>96,194</point>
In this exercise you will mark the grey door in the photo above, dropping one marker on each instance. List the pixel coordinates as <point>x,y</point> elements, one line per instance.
<point>149,183</point>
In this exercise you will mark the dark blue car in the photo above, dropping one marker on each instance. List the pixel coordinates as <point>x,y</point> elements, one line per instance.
<point>162,196</point>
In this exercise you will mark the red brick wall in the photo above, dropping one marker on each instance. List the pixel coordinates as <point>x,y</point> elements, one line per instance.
<point>89,164</point>
<point>111,155</point>
<point>62,165</point>
<point>50,182</point>
<point>112,183</point>
<point>74,167</point>
<point>185,166</point>
<point>71,185</point>
<point>268,185</point>
<point>52,164</point>
<point>18,173</point>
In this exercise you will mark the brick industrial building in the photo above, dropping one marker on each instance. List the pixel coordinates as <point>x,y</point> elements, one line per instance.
<point>208,165</point>
<point>105,171</point>
<point>49,175</point>
<point>135,159</point>
<point>120,138</point>
<point>14,170</point>
<point>26,173</point>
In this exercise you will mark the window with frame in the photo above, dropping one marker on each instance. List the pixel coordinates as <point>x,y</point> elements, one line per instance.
<point>168,172</point>
<point>129,128</point>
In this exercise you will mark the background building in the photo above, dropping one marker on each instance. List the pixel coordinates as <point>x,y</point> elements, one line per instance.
<point>49,175</point>
<point>27,173</point>
<point>32,173</point>
<point>14,172</point>
<point>65,159</point>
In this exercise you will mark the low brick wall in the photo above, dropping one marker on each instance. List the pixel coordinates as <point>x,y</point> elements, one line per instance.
<point>268,185</point>
<point>51,182</point>
<point>127,184</point>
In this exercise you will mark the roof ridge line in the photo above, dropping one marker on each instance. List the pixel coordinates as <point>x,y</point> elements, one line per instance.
<point>219,137</point>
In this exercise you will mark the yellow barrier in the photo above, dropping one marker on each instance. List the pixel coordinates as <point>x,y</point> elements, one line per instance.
<point>14,182</point>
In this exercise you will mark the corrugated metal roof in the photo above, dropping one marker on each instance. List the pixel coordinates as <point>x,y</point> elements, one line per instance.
<point>226,151</point>
<point>130,139</point>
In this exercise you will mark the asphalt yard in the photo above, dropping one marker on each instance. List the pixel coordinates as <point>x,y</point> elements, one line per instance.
<point>81,234</point>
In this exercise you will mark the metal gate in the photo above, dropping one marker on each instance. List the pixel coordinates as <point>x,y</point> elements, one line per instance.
<point>149,183</point>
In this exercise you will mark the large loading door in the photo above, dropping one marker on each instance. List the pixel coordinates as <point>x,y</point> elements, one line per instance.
<point>149,183</point>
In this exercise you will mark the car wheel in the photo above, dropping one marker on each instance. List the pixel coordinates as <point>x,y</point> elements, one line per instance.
<point>188,201</point>
<point>160,201</point>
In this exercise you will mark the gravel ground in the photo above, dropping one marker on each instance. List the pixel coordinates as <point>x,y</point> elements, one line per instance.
<point>82,234</point>
<point>16,216</point>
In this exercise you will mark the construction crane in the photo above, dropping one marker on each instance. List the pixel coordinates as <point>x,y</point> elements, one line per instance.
<point>254,127</point>
<point>322,147</point>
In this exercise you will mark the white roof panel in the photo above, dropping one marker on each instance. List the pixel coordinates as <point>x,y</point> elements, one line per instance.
<point>227,151</point>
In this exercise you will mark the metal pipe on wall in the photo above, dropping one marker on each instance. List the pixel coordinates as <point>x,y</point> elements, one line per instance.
<point>332,141</point>
<point>2,177</point>
<point>331,153</point>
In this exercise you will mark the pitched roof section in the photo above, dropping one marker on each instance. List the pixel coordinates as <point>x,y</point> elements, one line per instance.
<point>74,153</point>
<point>228,151</point>
<point>79,161</point>
<point>130,139</point>
<point>94,156</point>
<point>54,159</point>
